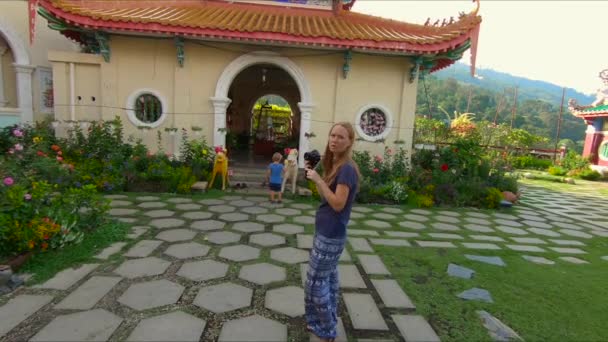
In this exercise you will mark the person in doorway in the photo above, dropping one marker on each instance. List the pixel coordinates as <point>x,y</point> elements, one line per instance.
<point>274,176</point>
<point>337,187</point>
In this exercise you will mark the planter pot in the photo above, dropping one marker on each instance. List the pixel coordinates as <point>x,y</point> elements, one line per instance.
<point>17,261</point>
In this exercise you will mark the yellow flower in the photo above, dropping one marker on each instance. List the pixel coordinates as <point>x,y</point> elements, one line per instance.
<point>37,140</point>
<point>31,244</point>
<point>204,152</point>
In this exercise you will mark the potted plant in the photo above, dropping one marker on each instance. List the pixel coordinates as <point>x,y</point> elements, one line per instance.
<point>197,130</point>
<point>171,130</point>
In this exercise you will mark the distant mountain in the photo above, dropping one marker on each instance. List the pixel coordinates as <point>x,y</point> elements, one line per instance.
<point>527,89</point>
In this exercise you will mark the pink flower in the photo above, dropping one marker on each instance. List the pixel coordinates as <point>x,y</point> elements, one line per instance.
<point>389,151</point>
<point>18,147</point>
<point>378,158</point>
<point>8,181</point>
<point>18,133</point>
<point>11,151</point>
<point>27,197</point>
<point>59,158</point>
<point>376,170</point>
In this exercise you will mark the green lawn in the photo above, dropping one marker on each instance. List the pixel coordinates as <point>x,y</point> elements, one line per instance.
<point>561,302</point>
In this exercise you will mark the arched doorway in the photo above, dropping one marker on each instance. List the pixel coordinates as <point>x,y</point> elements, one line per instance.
<point>242,83</point>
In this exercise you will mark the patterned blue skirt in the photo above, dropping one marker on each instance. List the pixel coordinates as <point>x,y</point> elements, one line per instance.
<point>322,288</point>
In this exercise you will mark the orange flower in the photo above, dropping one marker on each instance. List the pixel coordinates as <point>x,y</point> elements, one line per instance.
<point>55,148</point>
<point>31,244</point>
<point>44,246</point>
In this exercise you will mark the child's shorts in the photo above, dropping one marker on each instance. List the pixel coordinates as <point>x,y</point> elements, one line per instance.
<point>275,187</point>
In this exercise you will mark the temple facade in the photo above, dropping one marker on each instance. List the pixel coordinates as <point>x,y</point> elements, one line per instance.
<point>201,65</point>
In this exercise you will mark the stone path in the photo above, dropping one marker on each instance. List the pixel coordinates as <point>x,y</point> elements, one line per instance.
<point>231,269</point>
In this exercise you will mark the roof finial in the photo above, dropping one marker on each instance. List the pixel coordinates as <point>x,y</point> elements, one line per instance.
<point>477,8</point>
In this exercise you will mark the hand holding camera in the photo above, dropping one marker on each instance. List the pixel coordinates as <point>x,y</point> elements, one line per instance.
<point>312,160</point>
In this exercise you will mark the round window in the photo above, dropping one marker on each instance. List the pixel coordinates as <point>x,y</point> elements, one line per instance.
<point>603,151</point>
<point>373,122</point>
<point>146,107</point>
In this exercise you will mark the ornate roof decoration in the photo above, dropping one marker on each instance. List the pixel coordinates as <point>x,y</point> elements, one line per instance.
<point>245,22</point>
<point>599,107</point>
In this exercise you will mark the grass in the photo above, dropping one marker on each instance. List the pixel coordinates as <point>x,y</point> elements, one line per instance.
<point>45,265</point>
<point>561,302</point>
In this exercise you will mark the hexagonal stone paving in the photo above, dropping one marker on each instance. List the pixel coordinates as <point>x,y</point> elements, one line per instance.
<point>384,216</point>
<point>222,238</point>
<point>377,224</point>
<point>196,215</point>
<point>175,235</point>
<point>234,217</point>
<point>152,205</point>
<point>288,212</point>
<point>212,201</point>
<point>253,328</point>
<point>159,213</point>
<point>286,300</point>
<point>239,253</point>
<point>267,239</point>
<point>147,198</point>
<point>232,198</point>
<point>288,228</point>
<point>241,203</point>
<point>122,212</point>
<point>167,223</point>
<point>151,294</point>
<point>223,297</point>
<point>415,217</point>
<point>142,267</point>
<point>179,200</point>
<point>270,218</point>
<point>248,227</point>
<point>187,206</point>
<point>119,203</point>
<point>304,219</point>
<point>187,250</point>
<point>206,225</point>
<point>254,210</point>
<point>262,274</point>
<point>174,326</point>
<point>221,208</point>
<point>203,270</point>
<point>93,325</point>
<point>362,209</point>
<point>289,255</point>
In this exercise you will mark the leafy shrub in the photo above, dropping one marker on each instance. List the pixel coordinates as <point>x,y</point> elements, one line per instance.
<point>589,174</point>
<point>557,171</point>
<point>573,161</point>
<point>530,162</point>
<point>492,198</point>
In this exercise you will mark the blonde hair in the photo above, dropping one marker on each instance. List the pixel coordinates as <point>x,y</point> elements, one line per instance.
<point>332,163</point>
<point>276,157</point>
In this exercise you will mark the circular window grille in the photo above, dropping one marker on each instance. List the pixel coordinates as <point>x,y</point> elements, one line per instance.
<point>148,108</point>
<point>373,122</point>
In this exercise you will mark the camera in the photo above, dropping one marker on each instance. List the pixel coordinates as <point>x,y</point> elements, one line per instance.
<point>313,157</point>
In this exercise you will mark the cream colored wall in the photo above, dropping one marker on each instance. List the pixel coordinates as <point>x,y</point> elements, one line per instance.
<point>145,63</point>
<point>9,77</point>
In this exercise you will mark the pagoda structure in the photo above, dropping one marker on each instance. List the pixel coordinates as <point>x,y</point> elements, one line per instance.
<point>204,63</point>
<point>596,118</point>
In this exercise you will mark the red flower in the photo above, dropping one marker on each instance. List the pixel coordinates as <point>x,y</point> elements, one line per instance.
<point>40,154</point>
<point>55,148</point>
<point>444,167</point>
<point>455,150</point>
<point>376,170</point>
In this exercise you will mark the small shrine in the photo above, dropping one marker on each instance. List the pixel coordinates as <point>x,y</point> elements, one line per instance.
<point>596,118</point>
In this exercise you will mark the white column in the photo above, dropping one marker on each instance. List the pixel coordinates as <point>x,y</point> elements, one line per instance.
<point>219,119</point>
<point>305,120</point>
<point>24,91</point>
<point>3,102</point>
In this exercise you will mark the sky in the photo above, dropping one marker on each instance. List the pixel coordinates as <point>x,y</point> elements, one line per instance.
<point>561,42</point>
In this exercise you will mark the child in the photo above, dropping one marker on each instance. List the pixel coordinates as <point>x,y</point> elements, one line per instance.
<point>274,175</point>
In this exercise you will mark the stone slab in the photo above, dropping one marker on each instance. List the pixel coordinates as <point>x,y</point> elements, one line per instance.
<point>167,223</point>
<point>175,235</point>
<point>151,294</point>
<point>566,250</point>
<point>253,329</point>
<point>94,325</point>
<point>460,271</point>
<point>477,245</point>
<point>197,215</point>
<point>147,198</point>
<point>492,260</point>
<point>221,208</point>
<point>234,217</point>
<point>207,225</point>
<point>203,270</point>
<point>512,230</point>
<point>159,213</point>
<point>288,229</point>
<point>174,326</point>
<point>390,242</point>
<point>262,274</point>
<point>414,217</point>
<point>110,250</point>
<point>447,219</point>
<point>142,267</point>
<point>392,295</point>
<point>18,309</point>
<point>287,300</point>
<point>223,297</point>
<point>415,328</point>
<point>221,238</point>
<point>377,224</point>
<point>372,264</point>
<point>576,233</point>
<point>143,248</point>
<point>538,260</point>
<point>359,232</point>
<point>478,228</point>
<point>179,200</point>
<point>567,242</point>
<point>573,260</point>
<point>528,240</point>
<point>360,245</point>
<point>137,232</point>
<point>436,244</point>
<point>239,253</point>
<point>445,226</point>
<point>187,206</point>
<point>304,241</point>
<point>363,312</point>
<point>152,205</point>
<point>68,277</point>
<point>119,203</point>
<point>487,238</point>
<point>445,236</point>
<point>401,234</point>
<point>267,239</point>
<point>476,294</point>
<point>88,294</point>
<point>498,330</point>
<point>289,255</point>
<point>412,225</point>
<point>254,210</point>
<point>349,276</point>
<point>545,232</point>
<point>526,248</point>
<point>270,218</point>
<point>211,201</point>
<point>187,250</point>
<point>304,219</point>
<point>248,227</point>
<point>122,212</point>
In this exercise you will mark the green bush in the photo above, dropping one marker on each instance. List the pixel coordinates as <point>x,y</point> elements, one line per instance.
<point>589,174</point>
<point>530,162</point>
<point>557,171</point>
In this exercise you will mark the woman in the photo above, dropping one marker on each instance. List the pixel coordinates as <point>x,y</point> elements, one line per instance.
<point>337,188</point>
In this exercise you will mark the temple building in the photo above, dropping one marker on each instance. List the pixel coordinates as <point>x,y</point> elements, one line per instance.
<point>596,118</point>
<point>203,65</point>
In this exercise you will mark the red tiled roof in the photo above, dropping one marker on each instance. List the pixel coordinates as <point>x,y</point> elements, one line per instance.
<point>277,24</point>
